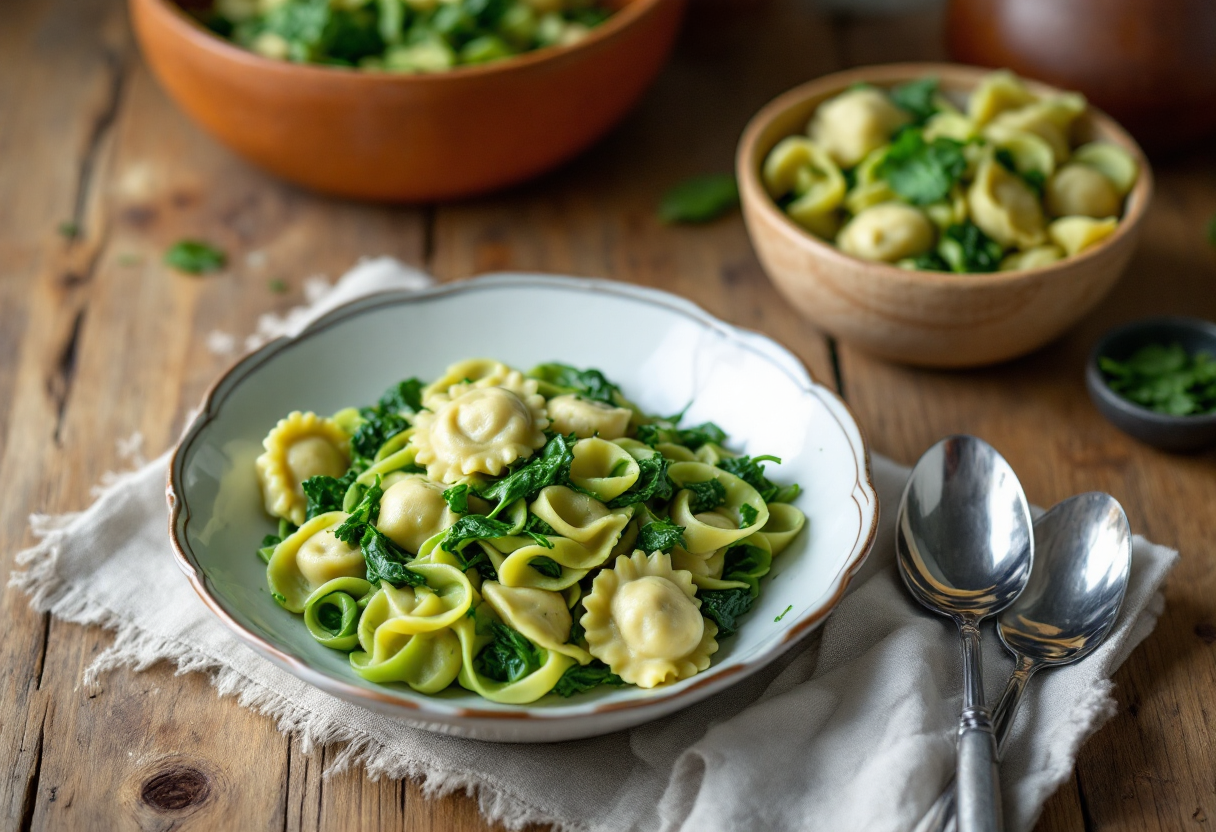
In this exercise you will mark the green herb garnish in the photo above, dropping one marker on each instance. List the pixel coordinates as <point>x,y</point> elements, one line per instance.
<point>195,257</point>
<point>1165,379</point>
<point>706,496</point>
<point>700,199</point>
<point>509,657</point>
<point>457,498</point>
<point>582,678</point>
<point>917,98</point>
<point>783,612</point>
<point>660,536</point>
<point>747,516</point>
<point>919,171</point>
<point>968,250</point>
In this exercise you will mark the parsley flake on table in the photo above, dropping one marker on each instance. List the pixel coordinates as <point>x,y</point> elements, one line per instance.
<point>1165,379</point>
<point>195,257</point>
<point>700,199</point>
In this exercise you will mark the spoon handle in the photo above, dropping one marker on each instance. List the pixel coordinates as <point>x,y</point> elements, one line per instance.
<point>979,795</point>
<point>942,816</point>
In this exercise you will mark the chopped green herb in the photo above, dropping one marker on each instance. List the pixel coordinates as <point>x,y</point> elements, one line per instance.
<point>1165,379</point>
<point>509,657</point>
<point>969,250</point>
<point>783,612</point>
<point>282,599</point>
<point>386,562</point>
<point>724,607</point>
<point>269,543</point>
<point>550,467</point>
<point>362,516</point>
<point>582,678</point>
<point>277,286</point>
<point>706,496</point>
<point>69,229</point>
<point>590,384</point>
<point>195,257</point>
<point>747,516</point>
<point>326,494</point>
<point>700,199</point>
<point>660,536</point>
<point>919,171</point>
<point>653,483</point>
<point>457,498</point>
<point>917,98</point>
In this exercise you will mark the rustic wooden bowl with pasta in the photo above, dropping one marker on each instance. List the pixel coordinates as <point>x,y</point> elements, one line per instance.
<point>408,138</point>
<point>928,318</point>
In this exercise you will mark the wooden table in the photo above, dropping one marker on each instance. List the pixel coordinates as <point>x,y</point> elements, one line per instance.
<point>98,340</point>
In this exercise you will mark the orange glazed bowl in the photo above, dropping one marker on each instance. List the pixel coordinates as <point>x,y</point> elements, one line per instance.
<point>932,319</point>
<point>409,138</point>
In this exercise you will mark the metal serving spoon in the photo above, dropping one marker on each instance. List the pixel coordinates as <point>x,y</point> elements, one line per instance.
<point>965,546</point>
<point>1082,560</point>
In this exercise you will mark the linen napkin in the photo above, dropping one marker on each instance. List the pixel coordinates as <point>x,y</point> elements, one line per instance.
<point>851,730</point>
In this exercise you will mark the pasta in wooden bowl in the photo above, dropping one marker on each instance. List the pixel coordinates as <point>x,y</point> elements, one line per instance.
<point>517,535</point>
<point>940,214</point>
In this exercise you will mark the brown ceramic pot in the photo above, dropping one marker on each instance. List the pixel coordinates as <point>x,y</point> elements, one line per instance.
<point>409,138</point>
<point>1151,64</point>
<point>933,319</point>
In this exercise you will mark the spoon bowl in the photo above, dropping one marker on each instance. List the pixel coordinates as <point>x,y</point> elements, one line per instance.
<point>965,546</point>
<point>1082,562</point>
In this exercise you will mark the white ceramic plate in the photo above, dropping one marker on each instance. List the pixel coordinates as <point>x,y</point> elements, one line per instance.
<point>662,350</point>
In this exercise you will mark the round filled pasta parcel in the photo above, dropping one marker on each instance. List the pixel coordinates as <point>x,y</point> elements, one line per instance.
<point>1003,179</point>
<point>518,534</point>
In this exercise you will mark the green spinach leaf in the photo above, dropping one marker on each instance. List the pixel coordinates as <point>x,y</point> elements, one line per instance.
<point>969,250</point>
<point>509,657</point>
<point>590,383</point>
<point>551,467</point>
<point>706,496</point>
<point>653,483</point>
<point>724,607</point>
<point>325,494</point>
<point>747,516</point>
<point>582,678</point>
<point>386,562</point>
<point>365,514</point>
<point>457,498</point>
<point>546,566</point>
<point>660,536</point>
<point>1166,379</point>
<point>917,98</point>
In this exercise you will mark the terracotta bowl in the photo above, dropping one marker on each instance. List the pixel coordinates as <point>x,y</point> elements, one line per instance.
<point>408,138</point>
<point>932,319</point>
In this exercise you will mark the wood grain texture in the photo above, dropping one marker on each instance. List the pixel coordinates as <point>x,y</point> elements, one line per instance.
<point>98,340</point>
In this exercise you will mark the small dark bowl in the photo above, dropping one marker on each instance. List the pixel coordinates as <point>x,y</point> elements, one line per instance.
<point>1169,433</point>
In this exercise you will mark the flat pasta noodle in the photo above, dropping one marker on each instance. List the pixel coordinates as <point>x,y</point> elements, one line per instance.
<point>785,522</point>
<point>520,692</point>
<point>604,468</point>
<point>707,531</point>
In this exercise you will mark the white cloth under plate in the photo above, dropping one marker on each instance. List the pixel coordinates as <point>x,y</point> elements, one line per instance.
<point>852,730</point>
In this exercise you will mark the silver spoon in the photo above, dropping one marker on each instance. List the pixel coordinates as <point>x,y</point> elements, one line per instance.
<point>965,547</point>
<point>1082,560</point>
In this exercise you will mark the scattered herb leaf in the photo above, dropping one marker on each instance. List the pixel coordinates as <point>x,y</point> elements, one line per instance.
<point>279,597</point>
<point>195,257</point>
<point>751,471</point>
<point>747,516</point>
<point>783,612</point>
<point>700,199</point>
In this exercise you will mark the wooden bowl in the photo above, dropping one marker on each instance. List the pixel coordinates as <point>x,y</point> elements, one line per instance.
<point>933,319</point>
<point>411,138</point>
